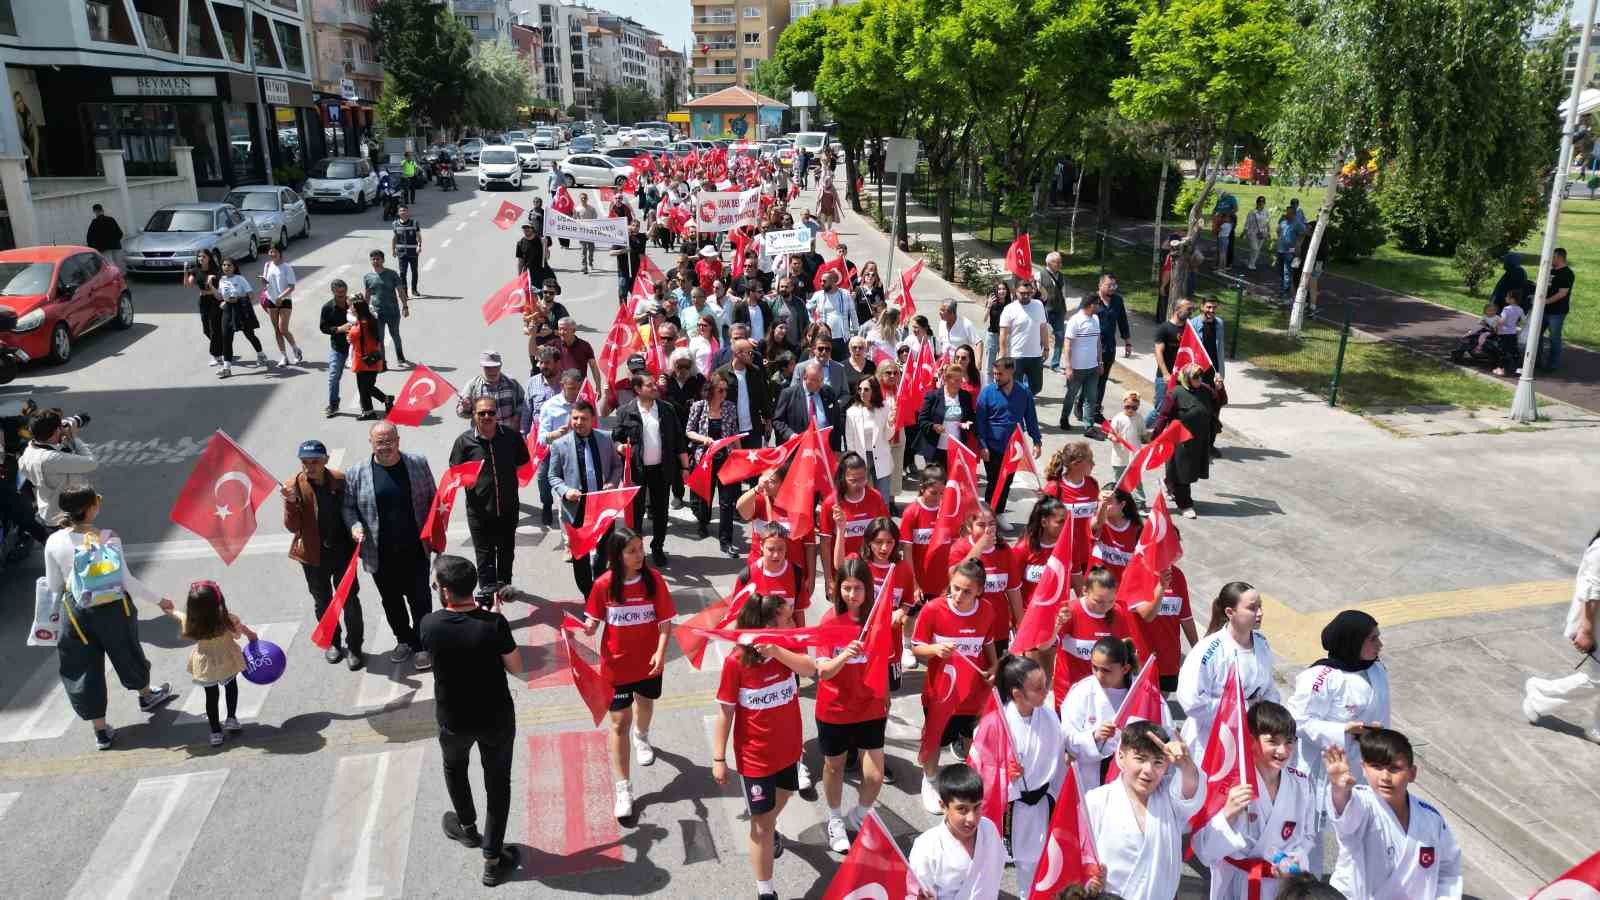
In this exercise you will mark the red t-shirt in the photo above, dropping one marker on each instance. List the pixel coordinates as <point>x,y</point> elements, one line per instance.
<point>938,623</point>
<point>1081,500</point>
<point>1001,573</point>
<point>797,549</point>
<point>904,591</point>
<point>708,271</point>
<point>1163,629</point>
<point>857,513</point>
<point>1078,640</point>
<point>1114,548</point>
<point>632,626</point>
<point>1030,564</point>
<point>766,718</point>
<point>781,584</point>
<point>843,699</point>
<point>929,564</point>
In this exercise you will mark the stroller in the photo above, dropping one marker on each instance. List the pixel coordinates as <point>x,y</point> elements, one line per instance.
<point>1479,347</point>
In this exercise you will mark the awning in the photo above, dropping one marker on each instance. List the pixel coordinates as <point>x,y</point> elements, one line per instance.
<point>1588,102</point>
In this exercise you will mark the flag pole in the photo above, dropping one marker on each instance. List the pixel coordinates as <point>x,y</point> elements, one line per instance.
<point>1238,692</point>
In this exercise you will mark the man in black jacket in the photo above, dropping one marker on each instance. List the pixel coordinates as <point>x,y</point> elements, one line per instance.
<point>105,235</point>
<point>789,306</point>
<point>334,322</point>
<point>492,508</point>
<point>660,450</point>
<point>750,393</point>
<point>530,254</point>
<point>807,400</point>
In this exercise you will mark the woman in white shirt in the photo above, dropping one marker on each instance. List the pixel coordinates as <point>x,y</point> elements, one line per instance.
<point>883,333</point>
<point>277,282</point>
<point>868,430</point>
<point>238,314</point>
<point>1232,640</point>
<point>703,345</point>
<point>100,619</point>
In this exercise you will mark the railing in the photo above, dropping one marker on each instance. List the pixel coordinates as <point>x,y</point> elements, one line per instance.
<point>728,19</point>
<point>716,73</point>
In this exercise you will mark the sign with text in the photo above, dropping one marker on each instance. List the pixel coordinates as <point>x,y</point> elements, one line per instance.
<point>726,210</point>
<point>165,86</point>
<point>777,243</point>
<point>611,232</point>
<point>275,91</point>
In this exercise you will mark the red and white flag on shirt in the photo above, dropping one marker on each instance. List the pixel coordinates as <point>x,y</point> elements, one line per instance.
<point>874,869</point>
<point>593,684</point>
<point>960,496</point>
<point>507,215</point>
<point>960,684</point>
<point>1019,257</point>
<point>993,759</point>
<point>1068,856</point>
<point>1019,458</point>
<point>600,510</point>
<point>699,480</point>
<point>918,380</point>
<point>1190,352</point>
<point>219,500</point>
<point>1227,758</point>
<point>1143,702</point>
<point>1581,882</point>
<point>444,502</point>
<point>328,625</point>
<point>424,391</point>
<point>1154,455</point>
<point>1038,625</point>
<point>512,297</point>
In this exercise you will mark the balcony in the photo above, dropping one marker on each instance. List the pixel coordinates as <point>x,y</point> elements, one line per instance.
<point>716,73</point>
<point>727,18</point>
<point>718,46</point>
<point>363,68</point>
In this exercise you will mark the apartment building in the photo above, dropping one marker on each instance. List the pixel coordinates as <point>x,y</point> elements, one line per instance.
<point>346,75</point>
<point>488,20</point>
<point>730,38</point>
<point>798,8</point>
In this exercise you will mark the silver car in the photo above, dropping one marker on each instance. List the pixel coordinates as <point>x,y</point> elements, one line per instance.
<point>593,170</point>
<point>178,232</point>
<point>277,212</point>
<point>528,156</point>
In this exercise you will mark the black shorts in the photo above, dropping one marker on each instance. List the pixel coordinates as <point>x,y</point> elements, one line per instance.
<point>1168,683</point>
<point>622,694</point>
<point>1001,646</point>
<point>761,794</point>
<point>285,303</point>
<point>958,726</point>
<point>836,739</point>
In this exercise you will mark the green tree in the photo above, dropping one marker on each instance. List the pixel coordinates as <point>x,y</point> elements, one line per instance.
<point>625,104</point>
<point>797,57</point>
<point>768,79</point>
<point>1206,70</point>
<point>498,86</point>
<point>426,54</point>
<point>857,79</point>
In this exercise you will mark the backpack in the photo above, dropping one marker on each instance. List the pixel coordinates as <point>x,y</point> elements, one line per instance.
<point>97,569</point>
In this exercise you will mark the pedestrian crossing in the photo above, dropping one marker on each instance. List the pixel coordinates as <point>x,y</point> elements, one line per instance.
<point>39,710</point>
<point>364,834</point>
<point>251,696</point>
<point>146,845</point>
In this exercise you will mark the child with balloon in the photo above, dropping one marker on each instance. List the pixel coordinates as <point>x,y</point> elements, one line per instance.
<point>216,661</point>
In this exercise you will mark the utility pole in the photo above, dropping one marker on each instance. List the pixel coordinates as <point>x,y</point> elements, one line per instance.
<point>261,101</point>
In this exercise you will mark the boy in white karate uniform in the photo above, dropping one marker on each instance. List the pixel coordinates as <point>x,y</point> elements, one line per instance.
<point>963,857</point>
<point>1138,820</point>
<point>1268,836</point>
<point>1392,846</point>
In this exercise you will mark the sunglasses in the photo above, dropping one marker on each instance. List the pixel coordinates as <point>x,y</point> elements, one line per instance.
<point>485,414</point>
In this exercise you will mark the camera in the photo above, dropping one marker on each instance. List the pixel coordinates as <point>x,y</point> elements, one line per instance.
<point>76,422</point>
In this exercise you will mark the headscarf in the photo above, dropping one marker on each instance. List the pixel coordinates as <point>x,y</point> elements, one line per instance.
<point>1188,375</point>
<point>1342,639</point>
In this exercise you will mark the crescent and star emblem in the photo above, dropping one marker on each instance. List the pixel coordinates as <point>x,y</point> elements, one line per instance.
<point>1229,754</point>
<point>427,385</point>
<point>867,892</point>
<point>1568,889</point>
<point>950,675</point>
<point>223,510</point>
<point>1053,866</point>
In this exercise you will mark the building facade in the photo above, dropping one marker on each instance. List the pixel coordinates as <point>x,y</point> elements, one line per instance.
<point>487,20</point>
<point>732,37</point>
<point>347,75</point>
<point>799,8</point>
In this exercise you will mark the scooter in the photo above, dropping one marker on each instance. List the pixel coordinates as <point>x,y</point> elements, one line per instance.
<point>391,201</point>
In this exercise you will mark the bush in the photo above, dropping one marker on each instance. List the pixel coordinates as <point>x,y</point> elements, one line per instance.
<point>1356,229</point>
<point>977,273</point>
<point>1508,218</point>
<point>1415,213</point>
<point>934,258</point>
<point>1475,260</point>
<point>290,176</point>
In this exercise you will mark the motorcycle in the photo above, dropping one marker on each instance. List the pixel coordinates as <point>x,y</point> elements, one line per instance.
<point>11,358</point>
<point>390,196</point>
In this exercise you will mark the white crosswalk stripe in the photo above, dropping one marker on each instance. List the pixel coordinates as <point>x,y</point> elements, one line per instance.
<point>251,696</point>
<point>6,800</point>
<point>362,844</point>
<point>38,710</point>
<point>146,845</point>
<point>403,684</point>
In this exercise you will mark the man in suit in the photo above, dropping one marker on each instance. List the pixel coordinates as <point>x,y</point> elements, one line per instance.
<point>574,473</point>
<point>807,400</point>
<point>832,371</point>
<point>750,394</point>
<point>655,432</point>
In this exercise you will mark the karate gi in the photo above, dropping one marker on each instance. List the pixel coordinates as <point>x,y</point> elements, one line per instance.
<point>943,866</point>
<point>1282,824</point>
<point>1087,707</point>
<point>1143,865</point>
<point>1204,672</point>
<point>1379,861</point>
<point>1325,700</point>
<point>1038,745</point>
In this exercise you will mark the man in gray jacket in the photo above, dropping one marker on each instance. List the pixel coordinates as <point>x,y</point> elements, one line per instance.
<point>55,460</point>
<point>583,460</point>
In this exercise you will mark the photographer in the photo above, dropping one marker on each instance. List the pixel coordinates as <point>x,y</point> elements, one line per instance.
<point>15,508</point>
<point>55,459</point>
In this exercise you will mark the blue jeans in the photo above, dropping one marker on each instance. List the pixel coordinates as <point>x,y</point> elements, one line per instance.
<point>408,261</point>
<point>390,322</point>
<point>336,361</point>
<point>1552,326</point>
<point>991,352</point>
<point>1058,328</point>
<point>1080,395</point>
<point>546,498</point>
<point>1155,404</point>
<point>1285,272</point>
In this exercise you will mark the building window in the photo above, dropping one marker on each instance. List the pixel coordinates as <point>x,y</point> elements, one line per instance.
<point>749,64</point>
<point>290,5</point>
<point>230,19</point>
<point>108,22</point>
<point>471,22</point>
<point>349,48</point>
<point>158,21</point>
<point>266,52</point>
<point>294,58</point>
<point>752,12</point>
<point>361,51</point>
<point>752,38</point>
<point>8,22</point>
<point>200,40</point>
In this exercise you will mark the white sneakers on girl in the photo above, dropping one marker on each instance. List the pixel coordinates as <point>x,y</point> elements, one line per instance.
<point>231,725</point>
<point>642,751</point>
<point>930,796</point>
<point>838,841</point>
<point>298,356</point>
<point>623,808</point>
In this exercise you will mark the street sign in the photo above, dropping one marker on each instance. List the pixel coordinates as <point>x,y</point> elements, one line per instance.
<point>900,155</point>
<point>802,98</point>
<point>347,89</point>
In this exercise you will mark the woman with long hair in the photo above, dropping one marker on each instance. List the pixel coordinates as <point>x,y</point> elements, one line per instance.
<point>1002,580</point>
<point>277,298</point>
<point>238,314</point>
<point>1067,478</point>
<point>1232,640</point>
<point>842,520</point>
<point>999,297</point>
<point>711,418</point>
<point>776,341</point>
<point>972,379</point>
<point>883,333</point>
<point>1195,404</point>
<point>1115,531</point>
<point>366,358</point>
<point>868,431</point>
<point>203,278</point>
<point>1046,522</point>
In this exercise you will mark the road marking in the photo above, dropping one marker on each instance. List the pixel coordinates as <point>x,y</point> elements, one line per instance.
<point>1297,636</point>
<point>39,710</point>
<point>6,802</point>
<point>798,815</point>
<point>474,213</point>
<point>428,266</point>
<point>362,845</point>
<point>483,204</point>
<point>251,696</point>
<point>399,686</point>
<point>342,267</point>
<point>166,813</point>
<point>445,243</point>
<point>461,226</point>
<point>569,802</point>
<point>272,544</point>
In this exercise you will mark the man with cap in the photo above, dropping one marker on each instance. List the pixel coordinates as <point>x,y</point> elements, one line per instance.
<point>530,252</point>
<point>509,400</point>
<point>335,323</point>
<point>492,507</point>
<point>313,502</point>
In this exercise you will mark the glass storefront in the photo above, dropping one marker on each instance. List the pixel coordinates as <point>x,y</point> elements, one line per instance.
<point>244,152</point>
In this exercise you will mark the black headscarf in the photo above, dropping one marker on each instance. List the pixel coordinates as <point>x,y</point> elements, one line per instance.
<point>1342,639</point>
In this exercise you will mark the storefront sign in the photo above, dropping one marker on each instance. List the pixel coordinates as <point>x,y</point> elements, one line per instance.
<point>164,85</point>
<point>347,89</point>
<point>275,91</point>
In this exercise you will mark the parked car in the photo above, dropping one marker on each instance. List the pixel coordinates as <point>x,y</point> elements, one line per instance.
<point>469,150</point>
<point>178,232</point>
<point>341,181</point>
<point>680,149</point>
<point>593,170</point>
<point>582,143</point>
<point>499,166</point>
<point>60,293</point>
<point>528,156</point>
<point>547,138</point>
<point>276,212</point>
<point>513,137</point>
<point>621,155</point>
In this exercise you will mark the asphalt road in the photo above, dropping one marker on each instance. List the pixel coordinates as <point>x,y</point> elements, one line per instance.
<point>334,788</point>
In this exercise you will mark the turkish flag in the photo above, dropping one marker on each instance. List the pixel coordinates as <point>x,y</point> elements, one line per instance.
<point>992,758</point>
<point>693,158</point>
<point>444,502</point>
<point>719,615</point>
<point>699,480</point>
<point>1577,882</point>
<point>220,499</point>
<point>1154,455</point>
<point>329,623</point>
<point>1142,702</point>
<point>1068,856</point>
<point>960,682</point>
<point>642,163</point>
<point>908,277</point>
<point>537,451</point>
<point>631,184</point>
<point>918,380</point>
<point>423,392</point>
<point>1019,457</point>
<point>794,191</point>
<point>1227,758</point>
<point>594,685</point>
<point>832,633</point>
<point>678,220</point>
<point>627,476</point>
<point>1038,623</point>
<point>880,355</point>
<point>750,462</point>
<point>600,510</point>
<point>1190,352</point>
<point>562,202</point>
<point>836,266</point>
<point>508,215</point>
<point>1019,257</point>
<point>807,477</point>
<point>513,297</point>
<point>740,239</point>
<point>878,639</point>
<point>622,341</point>
<point>1106,429</point>
<point>960,496</point>
<point>607,194</point>
<point>655,356</point>
<point>644,283</point>
<point>831,238</point>
<point>874,869</point>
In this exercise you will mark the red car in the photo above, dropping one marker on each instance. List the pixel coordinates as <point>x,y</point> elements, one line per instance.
<point>60,294</point>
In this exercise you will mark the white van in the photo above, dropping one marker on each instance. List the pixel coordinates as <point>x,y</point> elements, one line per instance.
<point>811,141</point>
<point>499,166</point>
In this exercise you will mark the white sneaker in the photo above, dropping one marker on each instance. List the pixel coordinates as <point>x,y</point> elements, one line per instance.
<point>838,841</point>
<point>231,725</point>
<point>623,808</point>
<point>225,371</point>
<point>1190,513</point>
<point>299,357</point>
<point>215,361</point>
<point>261,358</point>
<point>908,660</point>
<point>1530,689</point>
<point>285,360</point>
<point>642,751</point>
<point>930,796</point>
<point>805,776</point>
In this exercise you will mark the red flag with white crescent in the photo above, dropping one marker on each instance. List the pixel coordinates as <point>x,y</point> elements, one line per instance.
<point>699,480</point>
<point>643,289</point>
<point>992,757</point>
<point>601,509</point>
<point>424,391</point>
<point>746,463</point>
<point>877,638</point>
<point>829,634</point>
<point>1580,881</point>
<point>831,238</point>
<point>1068,857</point>
<point>960,496</point>
<point>837,267</point>
<point>808,476</point>
<point>219,500</point>
<point>719,615</point>
<point>444,502</point>
<point>908,277</point>
<point>1019,457</point>
<point>322,636</point>
<point>537,451</point>
<point>1019,257</point>
<point>1190,352</point>
<point>512,297</point>
<point>1143,702</point>
<point>874,869</point>
<point>918,380</point>
<point>622,341</point>
<point>1154,455</point>
<point>593,684</point>
<point>1227,757</point>
<point>1038,625</point>
<point>562,202</point>
<point>507,215</point>
<point>959,682</point>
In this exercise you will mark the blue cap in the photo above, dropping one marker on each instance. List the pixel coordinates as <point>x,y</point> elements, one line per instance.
<point>313,449</point>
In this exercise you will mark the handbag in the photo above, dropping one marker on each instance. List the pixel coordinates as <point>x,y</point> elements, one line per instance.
<point>46,630</point>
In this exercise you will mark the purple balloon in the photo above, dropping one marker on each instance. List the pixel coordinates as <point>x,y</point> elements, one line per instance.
<point>264,662</point>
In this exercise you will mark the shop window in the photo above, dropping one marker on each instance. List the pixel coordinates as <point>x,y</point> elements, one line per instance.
<point>108,22</point>
<point>265,51</point>
<point>201,40</point>
<point>230,21</point>
<point>144,132</point>
<point>289,39</point>
<point>349,48</point>
<point>8,22</point>
<point>197,127</point>
<point>243,149</point>
<point>290,5</point>
<point>158,20</point>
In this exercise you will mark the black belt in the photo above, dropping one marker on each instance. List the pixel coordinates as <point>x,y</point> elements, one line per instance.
<point>1033,797</point>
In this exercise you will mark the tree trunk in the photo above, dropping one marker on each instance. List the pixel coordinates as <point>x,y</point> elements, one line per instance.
<point>905,239</point>
<point>851,194</point>
<point>1161,203</point>
<point>1297,314</point>
<point>1180,263</point>
<point>947,236</point>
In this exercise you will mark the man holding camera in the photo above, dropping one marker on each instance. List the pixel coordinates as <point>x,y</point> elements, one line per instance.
<point>55,459</point>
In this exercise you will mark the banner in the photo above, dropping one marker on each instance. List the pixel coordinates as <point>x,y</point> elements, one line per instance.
<point>724,210</point>
<point>611,232</point>
<point>776,243</point>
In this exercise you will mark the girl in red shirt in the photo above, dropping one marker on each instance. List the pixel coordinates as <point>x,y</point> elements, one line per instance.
<point>881,552</point>
<point>1067,479</point>
<point>759,505</point>
<point>844,517</point>
<point>1080,624</point>
<point>774,574</point>
<point>1002,583</point>
<point>632,600</point>
<point>929,564</point>
<point>759,703</point>
<point>959,622</point>
<point>1031,551</point>
<point>848,717</point>
<point>1166,612</point>
<point>1116,532</point>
